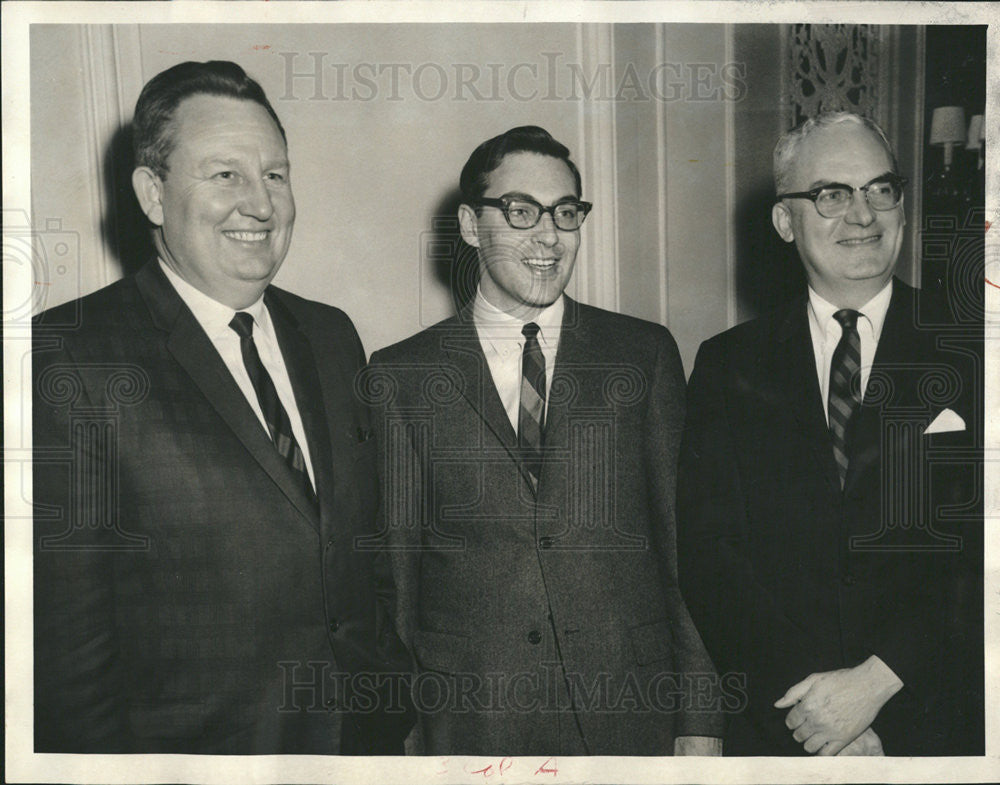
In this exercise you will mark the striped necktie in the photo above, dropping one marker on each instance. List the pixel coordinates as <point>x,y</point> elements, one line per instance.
<point>278,424</point>
<point>531,410</point>
<point>845,387</point>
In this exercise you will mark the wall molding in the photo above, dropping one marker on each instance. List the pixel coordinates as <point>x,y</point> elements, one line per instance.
<point>99,75</point>
<point>731,216</point>
<point>111,74</point>
<point>919,85</point>
<point>660,48</point>
<point>597,272</point>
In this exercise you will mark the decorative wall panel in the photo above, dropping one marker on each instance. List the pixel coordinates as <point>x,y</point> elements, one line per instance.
<point>834,68</point>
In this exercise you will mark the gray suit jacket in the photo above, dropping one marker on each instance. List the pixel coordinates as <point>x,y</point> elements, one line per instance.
<point>505,600</point>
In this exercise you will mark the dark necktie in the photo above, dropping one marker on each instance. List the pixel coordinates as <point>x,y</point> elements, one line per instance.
<point>531,411</point>
<point>278,424</point>
<point>845,387</point>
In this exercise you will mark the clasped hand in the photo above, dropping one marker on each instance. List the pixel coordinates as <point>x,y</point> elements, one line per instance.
<point>831,710</point>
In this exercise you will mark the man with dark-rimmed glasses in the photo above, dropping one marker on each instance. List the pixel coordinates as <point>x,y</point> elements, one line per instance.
<point>529,446</point>
<point>829,518</point>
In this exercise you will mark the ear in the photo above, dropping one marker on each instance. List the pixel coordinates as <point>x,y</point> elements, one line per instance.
<point>468,222</point>
<point>781,217</point>
<point>148,189</point>
<point>902,209</point>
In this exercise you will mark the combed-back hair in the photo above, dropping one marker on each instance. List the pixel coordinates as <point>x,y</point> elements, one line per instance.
<point>488,156</point>
<point>152,126</point>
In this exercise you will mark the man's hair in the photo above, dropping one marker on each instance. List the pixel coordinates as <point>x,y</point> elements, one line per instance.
<point>489,155</point>
<point>152,126</point>
<point>788,145</point>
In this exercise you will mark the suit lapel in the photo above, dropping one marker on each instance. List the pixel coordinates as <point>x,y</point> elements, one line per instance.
<point>463,349</point>
<point>795,374</point>
<point>572,352</point>
<point>577,359</point>
<point>896,348</point>
<point>196,354</point>
<point>301,365</point>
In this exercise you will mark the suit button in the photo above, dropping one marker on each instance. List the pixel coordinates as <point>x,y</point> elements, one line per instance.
<point>330,702</point>
<point>545,543</point>
<point>848,580</point>
<point>334,625</point>
<point>534,637</point>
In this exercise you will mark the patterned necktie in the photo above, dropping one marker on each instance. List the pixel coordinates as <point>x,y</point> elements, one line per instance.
<point>531,411</point>
<point>278,424</point>
<point>845,386</point>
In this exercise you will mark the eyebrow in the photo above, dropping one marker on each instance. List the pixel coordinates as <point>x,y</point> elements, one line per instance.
<point>219,159</point>
<point>277,163</point>
<point>830,183</point>
<point>522,195</point>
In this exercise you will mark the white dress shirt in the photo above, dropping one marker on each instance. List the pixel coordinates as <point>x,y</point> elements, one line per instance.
<point>214,318</point>
<point>826,332</point>
<point>502,342</point>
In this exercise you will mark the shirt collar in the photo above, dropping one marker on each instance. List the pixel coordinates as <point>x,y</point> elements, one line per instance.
<point>494,324</point>
<point>213,316</point>
<point>821,311</point>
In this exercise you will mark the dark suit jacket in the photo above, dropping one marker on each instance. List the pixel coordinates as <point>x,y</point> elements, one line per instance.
<point>786,575</point>
<point>188,597</point>
<point>496,591</point>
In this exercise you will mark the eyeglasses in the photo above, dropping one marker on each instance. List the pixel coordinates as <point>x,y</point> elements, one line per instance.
<point>833,200</point>
<point>524,213</point>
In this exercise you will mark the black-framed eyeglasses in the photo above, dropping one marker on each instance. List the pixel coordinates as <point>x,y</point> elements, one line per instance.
<point>833,200</point>
<point>522,212</point>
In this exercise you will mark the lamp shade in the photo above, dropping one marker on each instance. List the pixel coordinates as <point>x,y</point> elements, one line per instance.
<point>977,132</point>
<point>948,125</point>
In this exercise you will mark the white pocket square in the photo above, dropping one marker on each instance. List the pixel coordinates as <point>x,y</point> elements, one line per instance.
<point>946,422</point>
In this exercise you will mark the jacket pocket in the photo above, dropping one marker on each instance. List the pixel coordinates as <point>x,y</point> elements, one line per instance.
<point>652,642</point>
<point>442,651</point>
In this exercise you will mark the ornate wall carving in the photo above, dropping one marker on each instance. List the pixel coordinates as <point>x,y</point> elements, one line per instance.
<point>834,68</point>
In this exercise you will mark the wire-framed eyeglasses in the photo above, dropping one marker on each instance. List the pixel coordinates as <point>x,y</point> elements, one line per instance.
<point>834,199</point>
<point>523,212</point>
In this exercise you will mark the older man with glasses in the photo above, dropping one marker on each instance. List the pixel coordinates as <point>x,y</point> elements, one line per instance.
<point>530,448</point>
<point>829,499</point>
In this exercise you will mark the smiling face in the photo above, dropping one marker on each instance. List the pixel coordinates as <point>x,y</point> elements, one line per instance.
<point>523,271</point>
<point>847,259</point>
<point>224,212</point>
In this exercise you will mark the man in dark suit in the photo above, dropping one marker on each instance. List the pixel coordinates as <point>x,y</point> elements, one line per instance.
<point>202,468</point>
<point>829,503</point>
<point>529,447</point>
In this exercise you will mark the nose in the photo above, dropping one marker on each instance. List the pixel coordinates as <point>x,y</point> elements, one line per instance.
<point>256,201</point>
<point>859,211</point>
<point>545,231</point>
